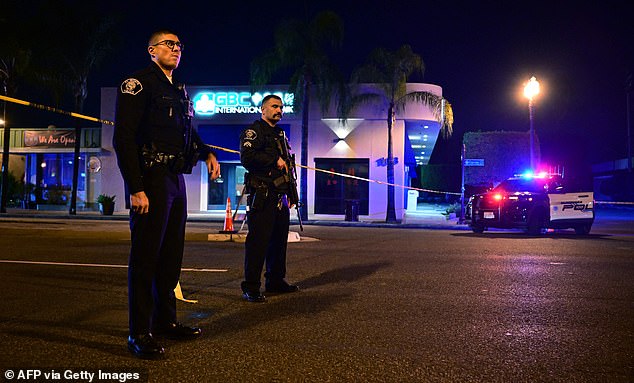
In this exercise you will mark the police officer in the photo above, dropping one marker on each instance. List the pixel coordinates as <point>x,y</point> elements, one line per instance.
<point>267,211</point>
<point>155,145</point>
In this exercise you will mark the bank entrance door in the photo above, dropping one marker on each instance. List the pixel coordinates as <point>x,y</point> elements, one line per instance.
<point>228,185</point>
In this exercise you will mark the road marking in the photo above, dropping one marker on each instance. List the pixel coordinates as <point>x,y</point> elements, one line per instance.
<point>99,265</point>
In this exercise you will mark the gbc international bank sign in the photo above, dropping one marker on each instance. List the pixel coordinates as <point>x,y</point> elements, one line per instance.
<point>208,103</point>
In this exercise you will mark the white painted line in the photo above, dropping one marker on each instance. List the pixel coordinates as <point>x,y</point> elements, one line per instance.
<point>98,265</point>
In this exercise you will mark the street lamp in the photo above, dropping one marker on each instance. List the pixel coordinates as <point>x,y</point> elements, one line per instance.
<point>5,157</point>
<point>531,89</point>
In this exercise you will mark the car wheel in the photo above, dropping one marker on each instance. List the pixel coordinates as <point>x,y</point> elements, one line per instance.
<point>583,229</point>
<point>477,228</point>
<point>535,223</point>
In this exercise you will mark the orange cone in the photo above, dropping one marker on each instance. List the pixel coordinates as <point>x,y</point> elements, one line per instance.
<point>228,227</point>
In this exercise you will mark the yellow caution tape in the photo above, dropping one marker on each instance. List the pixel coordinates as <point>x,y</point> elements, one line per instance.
<point>77,115</point>
<point>55,110</point>
<point>348,175</point>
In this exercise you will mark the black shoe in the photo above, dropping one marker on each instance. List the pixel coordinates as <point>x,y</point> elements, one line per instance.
<point>253,296</point>
<point>281,288</point>
<point>177,331</point>
<point>145,347</point>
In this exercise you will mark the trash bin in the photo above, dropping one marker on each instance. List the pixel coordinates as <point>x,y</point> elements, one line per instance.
<point>352,210</point>
<point>412,200</point>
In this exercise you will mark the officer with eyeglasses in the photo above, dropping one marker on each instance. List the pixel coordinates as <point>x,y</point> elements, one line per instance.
<point>155,145</point>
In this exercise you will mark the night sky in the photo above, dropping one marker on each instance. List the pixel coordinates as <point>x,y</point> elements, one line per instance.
<point>480,53</point>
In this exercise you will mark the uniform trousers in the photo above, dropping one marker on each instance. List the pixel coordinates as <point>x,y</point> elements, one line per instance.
<point>156,254</point>
<point>266,242</point>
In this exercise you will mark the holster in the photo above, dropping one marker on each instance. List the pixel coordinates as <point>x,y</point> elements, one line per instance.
<point>258,191</point>
<point>190,158</point>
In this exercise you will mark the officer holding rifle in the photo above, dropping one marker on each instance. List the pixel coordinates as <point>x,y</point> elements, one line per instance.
<point>268,185</point>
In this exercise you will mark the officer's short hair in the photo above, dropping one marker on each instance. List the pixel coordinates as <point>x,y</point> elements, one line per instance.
<point>270,96</point>
<point>154,38</point>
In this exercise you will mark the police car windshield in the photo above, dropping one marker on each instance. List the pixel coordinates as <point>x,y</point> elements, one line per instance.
<point>522,185</point>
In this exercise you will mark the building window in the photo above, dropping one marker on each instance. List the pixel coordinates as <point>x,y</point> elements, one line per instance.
<point>332,191</point>
<point>51,174</point>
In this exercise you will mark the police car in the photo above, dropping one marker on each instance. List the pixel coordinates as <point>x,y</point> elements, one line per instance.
<point>533,203</point>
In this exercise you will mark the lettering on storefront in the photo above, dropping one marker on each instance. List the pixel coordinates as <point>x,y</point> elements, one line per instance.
<point>209,103</point>
<point>49,139</point>
<point>383,161</point>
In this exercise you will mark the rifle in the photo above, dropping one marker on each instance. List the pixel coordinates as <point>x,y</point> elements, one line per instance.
<point>290,176</point>
<point>191,152</point>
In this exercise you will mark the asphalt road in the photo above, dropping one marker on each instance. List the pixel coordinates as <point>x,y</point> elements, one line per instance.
<point>377,305</point>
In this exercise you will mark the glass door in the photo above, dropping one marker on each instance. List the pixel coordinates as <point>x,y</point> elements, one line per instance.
<point>228,185</point>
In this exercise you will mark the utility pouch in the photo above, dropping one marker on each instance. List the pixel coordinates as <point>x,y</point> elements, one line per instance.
<point>147,157</point>
<point>281,180</point>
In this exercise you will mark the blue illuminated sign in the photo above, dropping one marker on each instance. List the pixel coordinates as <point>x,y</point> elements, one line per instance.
<point>383,161</point>
<point>212,103</point>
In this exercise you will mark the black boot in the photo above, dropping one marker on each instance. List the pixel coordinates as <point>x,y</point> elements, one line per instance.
<point>144,346</point>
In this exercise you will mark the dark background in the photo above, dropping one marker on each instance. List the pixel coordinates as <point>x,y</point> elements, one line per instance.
<point>480,53</point>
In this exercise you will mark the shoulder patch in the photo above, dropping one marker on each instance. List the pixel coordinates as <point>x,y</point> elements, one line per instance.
<point>131,86</point>
<point>250,134</point>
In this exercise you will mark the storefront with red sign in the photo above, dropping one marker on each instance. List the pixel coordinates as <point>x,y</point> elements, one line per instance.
<point>42,163</point>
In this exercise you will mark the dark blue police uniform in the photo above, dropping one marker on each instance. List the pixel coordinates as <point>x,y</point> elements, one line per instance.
<point>267,211</point>
<point>152,139</point>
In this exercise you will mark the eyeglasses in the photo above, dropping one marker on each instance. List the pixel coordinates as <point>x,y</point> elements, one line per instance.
<point>171,44</point>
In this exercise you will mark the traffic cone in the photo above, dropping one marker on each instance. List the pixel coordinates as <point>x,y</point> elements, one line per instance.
<point>228,227</point>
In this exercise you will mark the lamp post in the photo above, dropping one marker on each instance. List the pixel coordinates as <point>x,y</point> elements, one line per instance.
<point>531,89</point>
<point>5,153</point>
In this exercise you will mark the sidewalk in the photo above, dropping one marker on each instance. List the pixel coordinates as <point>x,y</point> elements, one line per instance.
<point>425,216</point>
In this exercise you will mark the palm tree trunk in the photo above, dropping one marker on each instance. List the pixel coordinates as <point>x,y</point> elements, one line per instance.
<point>391,211</point>
<point>303,174</point>
<point>79,103</point>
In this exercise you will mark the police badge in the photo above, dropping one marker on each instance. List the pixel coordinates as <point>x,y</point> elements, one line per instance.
<point>250,134</point>
<point>131,86</point>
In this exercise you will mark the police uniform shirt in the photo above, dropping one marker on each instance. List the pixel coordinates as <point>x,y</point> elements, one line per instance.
<point>149,111</point>
<point>259,152</point>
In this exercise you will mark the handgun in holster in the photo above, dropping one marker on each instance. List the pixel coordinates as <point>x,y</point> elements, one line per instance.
<point>258,192</point>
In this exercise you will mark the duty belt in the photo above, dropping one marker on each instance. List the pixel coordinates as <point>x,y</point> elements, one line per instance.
<point>152,158</point>
<point>164,158</point>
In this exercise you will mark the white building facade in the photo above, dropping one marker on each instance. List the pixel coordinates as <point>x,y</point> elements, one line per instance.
<point>358,148</point>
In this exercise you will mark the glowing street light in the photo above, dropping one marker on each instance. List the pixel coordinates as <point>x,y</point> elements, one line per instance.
<point>531,89</point>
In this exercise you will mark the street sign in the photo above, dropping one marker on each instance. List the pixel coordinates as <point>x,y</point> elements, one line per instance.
<point>474,162</point>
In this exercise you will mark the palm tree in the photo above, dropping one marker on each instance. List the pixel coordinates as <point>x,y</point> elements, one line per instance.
<point>304,47</point>
<point>389,71</point>
<point>15,56</point>
<point>85,35</point>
